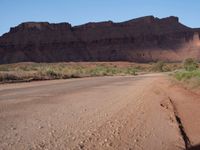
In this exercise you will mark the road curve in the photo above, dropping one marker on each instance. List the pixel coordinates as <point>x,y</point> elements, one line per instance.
<point>91,113</point>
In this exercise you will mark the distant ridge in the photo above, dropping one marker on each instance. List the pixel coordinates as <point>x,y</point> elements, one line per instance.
<point>142,39</point>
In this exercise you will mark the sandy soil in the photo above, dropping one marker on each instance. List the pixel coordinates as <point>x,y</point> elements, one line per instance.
<point>112,113</point>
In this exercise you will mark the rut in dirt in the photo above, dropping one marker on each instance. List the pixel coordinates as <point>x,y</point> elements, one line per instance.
<point>180,125</point>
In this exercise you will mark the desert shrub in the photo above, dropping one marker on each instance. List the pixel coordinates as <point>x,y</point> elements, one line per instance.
<point>131,71</point>
<point>158,66</point>
<point>4,68</point>
<point>50,72</point>
<point>190,64</point>
<point>25,68</point>
<point>98,71</point>
<point>111,70</point>
<point>185,75</point>
<point>167,68</point>
<point>139,68</point>
<point>174,67</point>
<point>7,77</point>
<point>190,79</point>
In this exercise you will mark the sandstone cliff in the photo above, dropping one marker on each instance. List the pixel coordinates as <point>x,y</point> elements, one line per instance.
<point>141,40</point>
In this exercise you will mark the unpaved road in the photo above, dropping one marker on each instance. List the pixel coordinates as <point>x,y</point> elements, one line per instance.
<point>99,113</point>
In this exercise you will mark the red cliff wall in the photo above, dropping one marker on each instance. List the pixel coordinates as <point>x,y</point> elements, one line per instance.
<point>141,40</point>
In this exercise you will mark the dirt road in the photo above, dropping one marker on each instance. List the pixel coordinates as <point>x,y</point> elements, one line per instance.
<point>97,113</point>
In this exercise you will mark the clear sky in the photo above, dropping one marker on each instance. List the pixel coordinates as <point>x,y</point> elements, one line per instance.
<point>13,12</point>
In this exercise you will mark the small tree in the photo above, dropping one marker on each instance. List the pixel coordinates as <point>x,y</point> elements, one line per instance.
<point>190,64</point>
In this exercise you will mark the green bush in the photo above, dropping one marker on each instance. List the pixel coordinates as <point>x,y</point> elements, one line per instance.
<point>190,64</point>
<point>186,75</point>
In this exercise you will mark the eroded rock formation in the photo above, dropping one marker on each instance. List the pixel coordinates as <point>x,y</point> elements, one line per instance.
<point>140,40</point>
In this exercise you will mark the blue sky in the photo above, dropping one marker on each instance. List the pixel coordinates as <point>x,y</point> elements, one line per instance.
<point>13,12</point>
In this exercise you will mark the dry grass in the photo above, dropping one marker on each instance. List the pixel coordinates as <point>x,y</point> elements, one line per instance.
<point>47,71</point>
<point>20,72</point>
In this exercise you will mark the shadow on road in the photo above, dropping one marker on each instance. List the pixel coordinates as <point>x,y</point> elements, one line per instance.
<point>196,147</point>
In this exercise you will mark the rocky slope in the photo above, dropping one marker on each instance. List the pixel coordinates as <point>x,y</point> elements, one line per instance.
<point>141,40</point>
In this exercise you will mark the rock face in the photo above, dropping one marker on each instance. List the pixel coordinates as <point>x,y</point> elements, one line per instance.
<point>140,40</point>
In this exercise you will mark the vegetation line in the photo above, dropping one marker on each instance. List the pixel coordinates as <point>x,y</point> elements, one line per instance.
<point>26,72</point>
